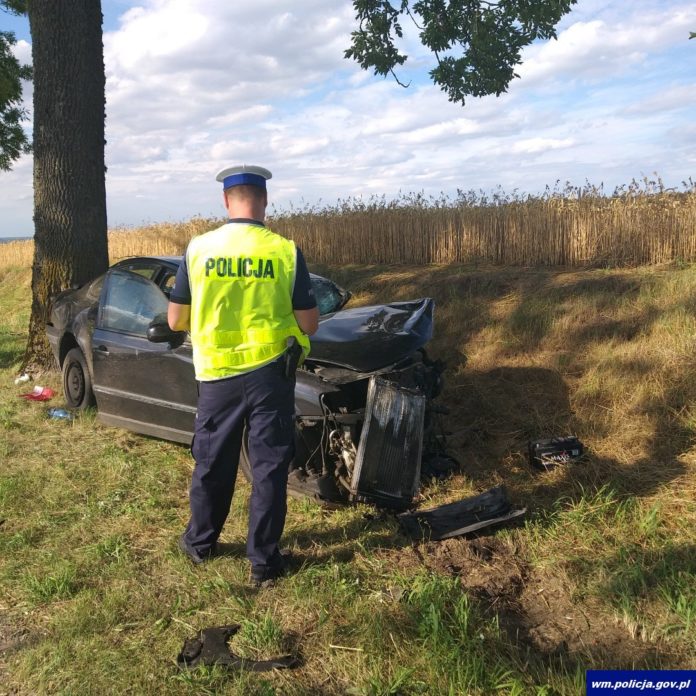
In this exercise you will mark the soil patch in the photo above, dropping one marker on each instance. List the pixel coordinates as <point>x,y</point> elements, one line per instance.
<point>12,639</point>
<point>534,606</point>
<point>17,633</point>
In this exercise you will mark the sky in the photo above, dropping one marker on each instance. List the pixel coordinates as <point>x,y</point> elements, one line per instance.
<point>194,86</point>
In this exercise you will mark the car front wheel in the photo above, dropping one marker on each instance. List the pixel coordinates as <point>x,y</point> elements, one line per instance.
<point>77,383</point>
<point>321,489</point>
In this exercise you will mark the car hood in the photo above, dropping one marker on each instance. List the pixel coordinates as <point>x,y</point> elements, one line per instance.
<point>370,338</point>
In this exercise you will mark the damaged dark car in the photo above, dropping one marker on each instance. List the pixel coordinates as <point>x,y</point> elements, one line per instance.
<point>365,416</point>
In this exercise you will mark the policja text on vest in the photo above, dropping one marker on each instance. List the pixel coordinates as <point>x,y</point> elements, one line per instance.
<point>244,268</point>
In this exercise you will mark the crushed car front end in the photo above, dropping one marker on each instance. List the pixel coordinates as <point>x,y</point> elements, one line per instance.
<point>366,416</point>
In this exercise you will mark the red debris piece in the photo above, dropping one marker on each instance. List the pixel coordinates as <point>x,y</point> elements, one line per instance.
<point>39,394</point>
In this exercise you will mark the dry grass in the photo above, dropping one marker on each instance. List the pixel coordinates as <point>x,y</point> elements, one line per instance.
<point>573,228</point>
<point>17,254</point>
<point>603,354</point>
<point>162,239</point>
<point>641,223</point>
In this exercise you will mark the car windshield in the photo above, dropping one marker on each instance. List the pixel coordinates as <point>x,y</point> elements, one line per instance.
<point>329,296</point>
<point>93,289</point>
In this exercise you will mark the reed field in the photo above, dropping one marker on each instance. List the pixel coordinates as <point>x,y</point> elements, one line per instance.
<point>572,227</point>
<point>641,223</point>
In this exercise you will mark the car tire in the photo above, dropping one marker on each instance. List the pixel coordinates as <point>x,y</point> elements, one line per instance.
<point>244,459</point>
<point>77,382</point>
<point>296,488</point>
<point>244,462</point>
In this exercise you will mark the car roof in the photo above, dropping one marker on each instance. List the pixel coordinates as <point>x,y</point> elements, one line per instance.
<point>167,259</point>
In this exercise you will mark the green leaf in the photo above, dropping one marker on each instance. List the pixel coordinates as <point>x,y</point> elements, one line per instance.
<point>475,45</point>
<point>14,6</point>
<point>13,139</point>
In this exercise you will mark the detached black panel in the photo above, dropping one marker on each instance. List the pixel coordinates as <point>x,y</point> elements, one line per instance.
<point>387,468</point>
<point>463,517</point>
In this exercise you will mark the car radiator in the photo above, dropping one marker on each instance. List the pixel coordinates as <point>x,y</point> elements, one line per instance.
<point>387,465</point>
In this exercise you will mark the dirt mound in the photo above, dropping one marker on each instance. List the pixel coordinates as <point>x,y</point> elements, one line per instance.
<point>534,606</point>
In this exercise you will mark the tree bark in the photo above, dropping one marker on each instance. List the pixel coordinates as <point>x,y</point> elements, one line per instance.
<point>70,243</point>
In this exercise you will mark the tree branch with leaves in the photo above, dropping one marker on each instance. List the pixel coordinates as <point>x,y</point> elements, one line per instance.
<point>476,44</point>
<point>13,140</point>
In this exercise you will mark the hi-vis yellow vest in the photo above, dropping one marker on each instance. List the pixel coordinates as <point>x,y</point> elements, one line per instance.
<point>241,277</point>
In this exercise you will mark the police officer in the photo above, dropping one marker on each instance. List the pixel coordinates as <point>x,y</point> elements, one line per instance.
<point>242,292</point>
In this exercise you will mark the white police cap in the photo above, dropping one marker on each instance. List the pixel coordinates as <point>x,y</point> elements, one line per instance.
<point>243,174</point>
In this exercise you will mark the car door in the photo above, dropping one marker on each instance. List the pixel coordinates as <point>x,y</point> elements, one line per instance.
<point>140,385</point>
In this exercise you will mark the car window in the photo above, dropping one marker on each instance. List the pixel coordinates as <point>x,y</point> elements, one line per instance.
<point>130,303</point>
<point>167,283</point>
<point>330,298</point>
<point>147,270</point>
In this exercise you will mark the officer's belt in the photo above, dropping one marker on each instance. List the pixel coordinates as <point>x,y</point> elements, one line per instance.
<point>232,338</point>
<point>229,357</point>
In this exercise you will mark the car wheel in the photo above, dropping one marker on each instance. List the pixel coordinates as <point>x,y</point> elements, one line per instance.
<point>322,491</point>
<point>244,463</point>
<point>244,459</point>
<point>77,383</point>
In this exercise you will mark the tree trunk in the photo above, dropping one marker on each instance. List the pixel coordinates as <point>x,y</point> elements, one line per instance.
<point>70,244</point>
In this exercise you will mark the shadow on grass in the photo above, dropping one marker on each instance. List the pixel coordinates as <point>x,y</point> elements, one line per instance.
<point>497,411</point>
<point>11,351</point>
<point>337,544</point>
<point>510,406</point>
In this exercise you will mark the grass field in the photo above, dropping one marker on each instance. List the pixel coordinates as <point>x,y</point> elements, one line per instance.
<point>95,599</point>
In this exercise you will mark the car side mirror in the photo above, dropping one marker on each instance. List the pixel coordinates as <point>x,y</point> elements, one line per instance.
<point>159,332</point>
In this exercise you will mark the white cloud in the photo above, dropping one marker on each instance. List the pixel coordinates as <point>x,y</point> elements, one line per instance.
<point>251,114</point>
<point>597,49</point>
<point>22,51</point>
<point>156,38</point>
<point>669,98</point>
<point>533,145</point>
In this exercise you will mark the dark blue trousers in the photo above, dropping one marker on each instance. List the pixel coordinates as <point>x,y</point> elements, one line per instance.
<point>264,401</point>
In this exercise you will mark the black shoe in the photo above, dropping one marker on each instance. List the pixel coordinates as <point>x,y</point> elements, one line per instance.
<point>194,556</point>
<point>265,576</point>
